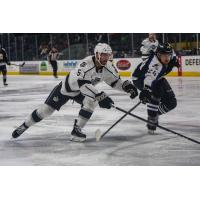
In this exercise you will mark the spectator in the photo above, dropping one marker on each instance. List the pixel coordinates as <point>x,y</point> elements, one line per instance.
<point>98,37</point>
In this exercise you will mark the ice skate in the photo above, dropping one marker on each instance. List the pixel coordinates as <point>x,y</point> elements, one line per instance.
<point>18,131</point>
<point>77,135</point>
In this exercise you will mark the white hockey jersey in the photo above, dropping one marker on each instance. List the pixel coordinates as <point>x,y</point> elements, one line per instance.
<point>147,47</point>
<point>85,76</point>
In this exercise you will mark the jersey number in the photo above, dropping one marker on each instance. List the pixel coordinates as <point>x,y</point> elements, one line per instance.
<point>79,72</point>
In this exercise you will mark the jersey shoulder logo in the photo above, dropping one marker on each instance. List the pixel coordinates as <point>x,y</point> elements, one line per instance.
<point>55,99</point>
<point>83,64</point>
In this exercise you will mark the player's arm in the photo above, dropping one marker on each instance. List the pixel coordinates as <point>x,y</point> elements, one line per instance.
<point>82,76</point>
<point>155,71</point>
<point>87,89</point>
<point>142,48</point>
<point>6,57</point>
<point>117,83</point>
<point>153,47</point>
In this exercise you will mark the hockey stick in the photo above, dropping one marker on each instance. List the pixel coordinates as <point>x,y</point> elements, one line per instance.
<point>161,127</point>
<point>99,135</point>
<point>20,65</point>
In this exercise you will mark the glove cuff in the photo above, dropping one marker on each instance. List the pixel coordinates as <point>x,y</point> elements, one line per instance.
<point>125,83</point>
<point>100,96</point>
<point>146,87</point>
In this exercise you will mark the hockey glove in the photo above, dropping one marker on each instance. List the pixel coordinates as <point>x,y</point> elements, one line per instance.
<point>145,95</point>
<point>104,100</point>
<point>130,88</point>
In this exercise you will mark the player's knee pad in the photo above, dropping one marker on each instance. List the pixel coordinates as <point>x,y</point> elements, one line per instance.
<point>168,105</point>
<point>35,116</point>
<point>171,104</point>
<point>42,113</point>
<point>86,114</point>
<point>88,108</point>
<point>89,104</point>
<point>45,111</point>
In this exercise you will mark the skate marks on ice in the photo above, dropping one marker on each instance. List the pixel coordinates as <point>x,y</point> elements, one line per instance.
<point>47,143</point>
<point>132,148</point>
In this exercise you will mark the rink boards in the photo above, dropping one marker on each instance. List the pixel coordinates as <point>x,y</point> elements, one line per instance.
<point>190,66</point>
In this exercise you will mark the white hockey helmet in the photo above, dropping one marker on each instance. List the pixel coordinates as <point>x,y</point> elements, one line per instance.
<point>102,48</point>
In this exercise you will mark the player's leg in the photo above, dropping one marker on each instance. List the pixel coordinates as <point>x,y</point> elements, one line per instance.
<point>153,106</point>
<point>4,72</point>
<point>85,113</point>
<point>0,70</point>
<point>152,111</point>
<point>168,99</point>
<point>162,102</point>
<point>54,102</point>
<point>55,68</point>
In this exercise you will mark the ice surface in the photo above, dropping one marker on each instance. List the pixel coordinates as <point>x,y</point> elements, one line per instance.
<point>47,143</point>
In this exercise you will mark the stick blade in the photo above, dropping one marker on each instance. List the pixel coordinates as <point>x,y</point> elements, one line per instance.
<point>98,135</point>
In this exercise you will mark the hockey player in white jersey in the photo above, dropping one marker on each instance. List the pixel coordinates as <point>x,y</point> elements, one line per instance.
<point>149,45</point>
<point>155,89</point>
<point>79,86</point>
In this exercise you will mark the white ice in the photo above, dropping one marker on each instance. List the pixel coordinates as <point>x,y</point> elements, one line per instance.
<point>47,143</point>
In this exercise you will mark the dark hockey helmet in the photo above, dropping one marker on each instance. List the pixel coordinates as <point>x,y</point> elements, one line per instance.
<point>165,48</point>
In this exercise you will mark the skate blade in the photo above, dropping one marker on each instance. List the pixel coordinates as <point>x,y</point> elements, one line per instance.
<point>98,135</point>
<point>77,139</point>
<point>152,132</point>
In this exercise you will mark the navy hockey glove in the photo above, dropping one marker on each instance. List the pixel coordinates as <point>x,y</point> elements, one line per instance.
<point>145,95</point>
<point>104,100</point>
<point>130,88</point>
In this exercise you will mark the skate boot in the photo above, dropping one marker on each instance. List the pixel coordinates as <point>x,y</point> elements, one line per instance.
<point>152,126</point>
<point>5,84</point>
<point>55,75</point>
<point>18,131</point>
<point>77,135</point>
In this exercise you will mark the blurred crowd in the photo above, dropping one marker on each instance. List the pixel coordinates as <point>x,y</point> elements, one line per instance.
<point>78,45</point>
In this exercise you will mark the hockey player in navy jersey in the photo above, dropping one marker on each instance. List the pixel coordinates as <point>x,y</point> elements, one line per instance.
<point>155,89</point>
<point>79,86</point>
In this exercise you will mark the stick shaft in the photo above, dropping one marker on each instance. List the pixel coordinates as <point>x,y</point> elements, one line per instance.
<point>120,119</point>
<point>161,127</point>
